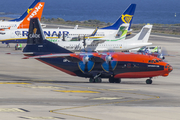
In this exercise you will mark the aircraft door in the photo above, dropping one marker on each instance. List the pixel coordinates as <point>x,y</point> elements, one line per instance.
<point>12,34</point>
<point>124,46</point>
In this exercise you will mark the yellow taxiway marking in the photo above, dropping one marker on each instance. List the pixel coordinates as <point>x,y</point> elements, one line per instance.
<point>76,91</point>
<point>13,83</point>
<point>151,97</point>
<point>75,116</point>
<point>11,110</point>
<point>55,111</point>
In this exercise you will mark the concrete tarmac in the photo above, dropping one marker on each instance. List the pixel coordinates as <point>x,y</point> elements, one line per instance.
<point>33,90</point>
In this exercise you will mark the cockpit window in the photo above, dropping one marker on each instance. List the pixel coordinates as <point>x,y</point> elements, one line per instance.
<point>154,61</point>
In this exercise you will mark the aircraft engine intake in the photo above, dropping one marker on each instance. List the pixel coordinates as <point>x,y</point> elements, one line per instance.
<point>110,64</point>
<point>86,65</point>
<point>85,59</point>
<point>108,58</point>
<point>161,56</point>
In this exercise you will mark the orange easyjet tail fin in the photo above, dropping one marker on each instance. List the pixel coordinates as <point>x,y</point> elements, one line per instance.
<point>36,12</point>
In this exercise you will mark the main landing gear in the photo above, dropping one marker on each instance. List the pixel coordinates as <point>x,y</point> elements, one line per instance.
<point>114,80</point>
<point>149,81</point>
<point>95,80</point>
<point>99,80</point>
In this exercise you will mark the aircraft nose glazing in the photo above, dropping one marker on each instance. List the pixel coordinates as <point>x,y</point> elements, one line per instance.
<point>170,68</point>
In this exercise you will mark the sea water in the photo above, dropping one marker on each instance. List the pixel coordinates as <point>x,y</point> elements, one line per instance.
<point>147,11</point>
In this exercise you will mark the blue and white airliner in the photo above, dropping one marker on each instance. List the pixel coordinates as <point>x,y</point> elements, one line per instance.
<point>20,35</point>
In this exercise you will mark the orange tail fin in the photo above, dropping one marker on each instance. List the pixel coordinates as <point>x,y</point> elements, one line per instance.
<point>35,12</point>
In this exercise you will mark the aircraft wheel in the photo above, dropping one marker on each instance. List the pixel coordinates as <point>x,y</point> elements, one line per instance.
<point>91,80</point>
<point>98,80</point>
<point>148,81</point>
<point>117,80</point>
<point>111,80</point>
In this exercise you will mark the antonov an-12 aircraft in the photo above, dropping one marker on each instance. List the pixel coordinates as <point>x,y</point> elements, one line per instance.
<point>93,65</point>
<point>35,10</point>
<point>55,35</point>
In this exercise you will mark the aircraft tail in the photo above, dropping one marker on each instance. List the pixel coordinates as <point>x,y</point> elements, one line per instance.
<point>143,35</point>
<point>37,43</point>
<point>120,34</point>
<point>76,27</point>
<point>126,17</point>
<point>27,11</point>
<point>34,12</point>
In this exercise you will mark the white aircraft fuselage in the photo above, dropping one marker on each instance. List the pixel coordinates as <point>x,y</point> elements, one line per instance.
<point>8,24</point>
<point>121,45</point>
<point>54,35</point>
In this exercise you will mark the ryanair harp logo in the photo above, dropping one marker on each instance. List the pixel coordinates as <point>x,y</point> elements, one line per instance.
<point>126,18</point>
<point>29,10</point>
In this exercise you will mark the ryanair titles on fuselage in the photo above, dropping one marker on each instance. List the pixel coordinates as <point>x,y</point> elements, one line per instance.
<point>46,33</point>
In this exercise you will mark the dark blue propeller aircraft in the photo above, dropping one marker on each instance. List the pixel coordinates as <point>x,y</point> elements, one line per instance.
<point>112,65</point>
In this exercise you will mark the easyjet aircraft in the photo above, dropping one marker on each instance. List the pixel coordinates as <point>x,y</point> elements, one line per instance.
<point>95,66</point>
<point>20,35</point>
<point>35,10</point>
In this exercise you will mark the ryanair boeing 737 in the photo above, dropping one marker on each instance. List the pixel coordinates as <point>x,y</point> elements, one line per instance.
<point>20,35</point>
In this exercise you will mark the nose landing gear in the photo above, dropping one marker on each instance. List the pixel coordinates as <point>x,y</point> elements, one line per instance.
<point>149,81</point>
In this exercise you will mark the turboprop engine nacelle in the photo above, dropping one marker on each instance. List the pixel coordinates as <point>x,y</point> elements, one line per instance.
<point>108,58</point>
<point>85,59</point>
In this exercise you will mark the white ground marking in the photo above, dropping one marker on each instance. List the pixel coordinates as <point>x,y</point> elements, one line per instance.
<point>107,98</point>
<point>11,110</point>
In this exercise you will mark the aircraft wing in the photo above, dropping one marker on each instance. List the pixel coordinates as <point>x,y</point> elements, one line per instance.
<point>5,28</point>
<point>97,41</point>
<point>73,57</point>
<point>21,53</point>
<point>47,56</point>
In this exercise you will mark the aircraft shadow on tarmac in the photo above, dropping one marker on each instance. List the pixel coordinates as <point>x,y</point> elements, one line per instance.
<point>10,78</point>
